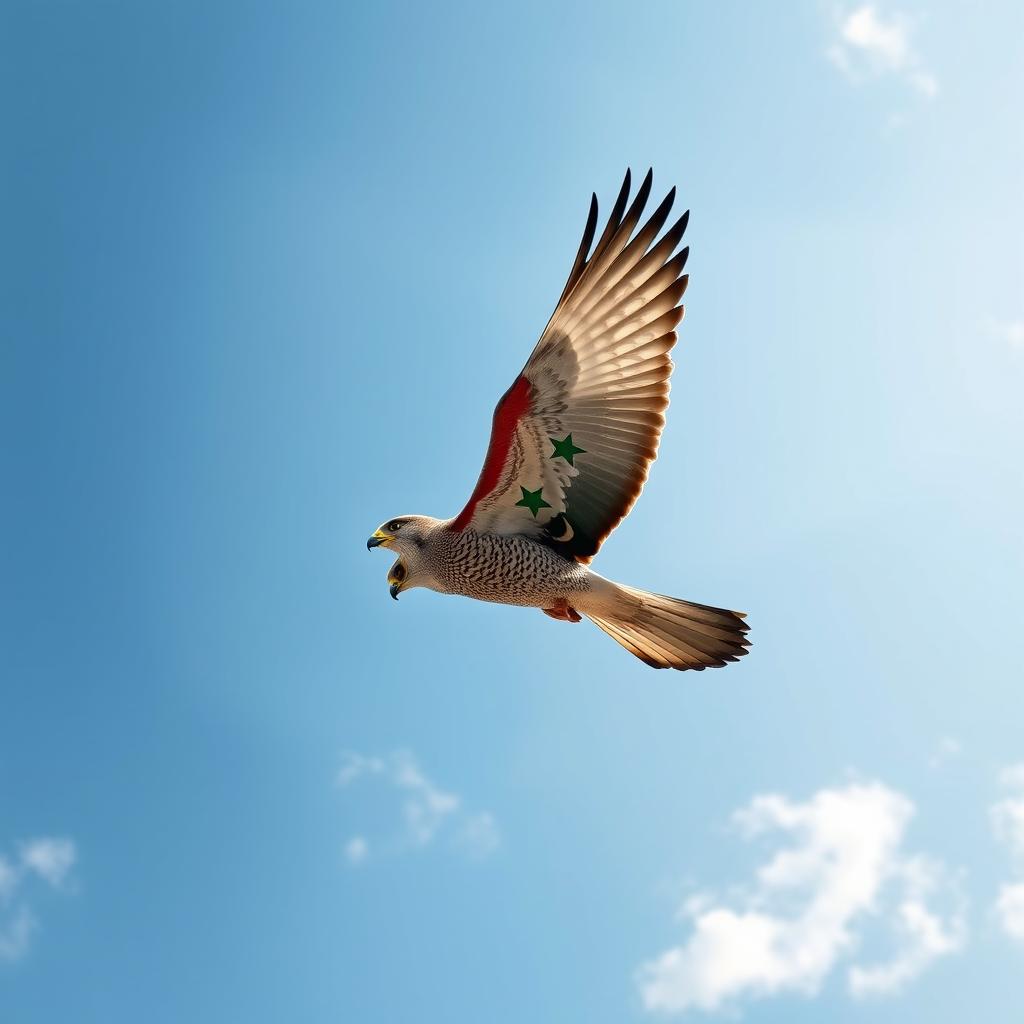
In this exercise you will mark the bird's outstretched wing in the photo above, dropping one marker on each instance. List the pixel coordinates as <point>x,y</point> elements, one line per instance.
<point>574,435</point>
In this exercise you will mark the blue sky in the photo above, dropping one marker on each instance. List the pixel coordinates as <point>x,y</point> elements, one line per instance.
<point>266,270</point>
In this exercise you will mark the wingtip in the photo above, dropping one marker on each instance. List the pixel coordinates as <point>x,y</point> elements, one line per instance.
<point>643,192</point>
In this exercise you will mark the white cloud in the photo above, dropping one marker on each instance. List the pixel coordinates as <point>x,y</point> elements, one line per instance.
<point>872,44</point>
<point>356,765</point>
<point>1007,816</point>
<point>884,41</point>
<point>922,935</point>
<point>809,907</point>
<point>44,860</point>
<point>51,859</point>
<point>426,809</point>
<point>1010,910</point>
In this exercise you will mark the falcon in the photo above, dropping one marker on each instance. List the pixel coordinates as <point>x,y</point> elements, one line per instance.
<point>571,444</point>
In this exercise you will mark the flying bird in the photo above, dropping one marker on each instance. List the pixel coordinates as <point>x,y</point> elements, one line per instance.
<point>571,444</point>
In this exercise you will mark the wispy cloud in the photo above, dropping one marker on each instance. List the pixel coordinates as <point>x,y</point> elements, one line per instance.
<point>50,859</point>
<point>1009,331</point>
<point>811,905</point>
<point>872,44</point>
<point>921,935</point>
<point>357,849</point>
<point>46,861</point>
<point>478,837</point>
<point>16,934</point>
<point>1010,910</point>
<point>946,749</point>
<point>1007,817</point>
<point>426,809</point>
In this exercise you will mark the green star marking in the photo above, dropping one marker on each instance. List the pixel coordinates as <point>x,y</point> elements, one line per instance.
<point>532,500</point>
<point>565,449</point>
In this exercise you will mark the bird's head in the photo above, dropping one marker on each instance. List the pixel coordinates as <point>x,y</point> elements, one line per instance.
<point>407,536</point>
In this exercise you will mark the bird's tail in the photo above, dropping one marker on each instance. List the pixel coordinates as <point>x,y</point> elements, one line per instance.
<point>665,632</point>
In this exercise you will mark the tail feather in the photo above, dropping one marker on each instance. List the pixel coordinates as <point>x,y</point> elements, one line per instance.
<point>665,632</point>
<point>628,641</point>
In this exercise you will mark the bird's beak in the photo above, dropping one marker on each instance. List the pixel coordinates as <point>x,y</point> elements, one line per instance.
<point>379,538</point>
<point>396,577</point>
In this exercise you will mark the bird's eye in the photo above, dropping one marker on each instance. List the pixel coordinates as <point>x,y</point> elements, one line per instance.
<point>394,526</point>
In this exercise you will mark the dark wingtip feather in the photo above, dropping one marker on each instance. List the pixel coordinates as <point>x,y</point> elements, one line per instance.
<point>588,231</point>
<point>615,218</point>
<point>642,195</point>
<point>581,254</point>
<point>660,215</point>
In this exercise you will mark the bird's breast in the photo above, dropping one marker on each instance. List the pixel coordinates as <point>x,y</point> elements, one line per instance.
<point>506,569</point>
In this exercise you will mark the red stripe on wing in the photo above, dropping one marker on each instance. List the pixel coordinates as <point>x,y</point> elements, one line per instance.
<point>511,408</point>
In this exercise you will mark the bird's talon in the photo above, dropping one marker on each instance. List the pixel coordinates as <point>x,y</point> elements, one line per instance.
<point>563,612</point>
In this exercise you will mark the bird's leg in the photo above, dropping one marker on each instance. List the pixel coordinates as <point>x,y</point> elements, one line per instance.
<point>562,611</point>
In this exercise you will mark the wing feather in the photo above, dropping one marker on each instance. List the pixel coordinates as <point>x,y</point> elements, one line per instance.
<point>573,438</point>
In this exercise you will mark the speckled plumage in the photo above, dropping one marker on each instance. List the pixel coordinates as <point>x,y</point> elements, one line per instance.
<point>504,568</point>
